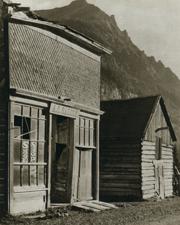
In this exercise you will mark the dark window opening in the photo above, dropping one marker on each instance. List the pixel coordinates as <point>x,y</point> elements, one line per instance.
<point>22,127</point>
<point>158,152</point>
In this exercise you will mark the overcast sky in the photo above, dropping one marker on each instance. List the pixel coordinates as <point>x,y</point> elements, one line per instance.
<point>153,25</point>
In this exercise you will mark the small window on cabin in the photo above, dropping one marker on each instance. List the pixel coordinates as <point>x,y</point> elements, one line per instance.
<point>22,127</point>
<point>158,152</point>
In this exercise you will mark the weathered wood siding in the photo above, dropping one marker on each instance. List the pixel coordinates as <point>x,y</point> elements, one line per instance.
<point>2,152</point>
<point>120,168</point>
<point>3,113</point>
<point>47,66</point>
<point>158,121</point>
<point>148,172</point>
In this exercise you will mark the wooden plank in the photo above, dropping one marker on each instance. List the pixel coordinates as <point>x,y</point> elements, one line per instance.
<point>145,143</point>
<point>23,202</point>
<point>49,159</point>
<point>72,151</point>
<point>119,189</point>
<point>95,206</point>
<point>148,147</point>
<point>119,185</point>
<point>122,165</point>
<point>96,185</point>
<point>134,192</point>
<point>120,177</point>
<point>105,204</point>
<point>144,183</point>
<point>148,187</point>
<point>146,152</point>
<point>150,195</point>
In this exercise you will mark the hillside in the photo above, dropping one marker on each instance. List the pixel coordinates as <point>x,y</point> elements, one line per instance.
<point>128,72</point>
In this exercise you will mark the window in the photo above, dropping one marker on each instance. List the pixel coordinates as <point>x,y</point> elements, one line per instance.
<point>158,152</point>
<point>85,132</point>
<point>30,161</point>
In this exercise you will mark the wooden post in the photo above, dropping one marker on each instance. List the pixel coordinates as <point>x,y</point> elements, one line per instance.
<point>10,156</point>
<point>49,160</point>
<point>97,162</point>
<point>178,184</point>
<point>71,161</point>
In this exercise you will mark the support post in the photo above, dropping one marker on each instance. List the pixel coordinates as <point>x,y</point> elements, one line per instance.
<point>97,162</point>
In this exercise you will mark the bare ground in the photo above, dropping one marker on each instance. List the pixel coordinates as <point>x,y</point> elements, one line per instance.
<point>165,212</point>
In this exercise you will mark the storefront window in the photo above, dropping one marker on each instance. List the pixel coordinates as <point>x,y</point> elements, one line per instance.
<point>29,146</point>
<point>85,132</point>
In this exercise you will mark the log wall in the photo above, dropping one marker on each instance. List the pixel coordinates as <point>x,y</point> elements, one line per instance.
<point>148,172</point>
<point>120,172</point>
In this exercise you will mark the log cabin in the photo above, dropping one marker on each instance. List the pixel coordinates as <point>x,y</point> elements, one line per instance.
<point>49,112</point>
<point>136,149</point>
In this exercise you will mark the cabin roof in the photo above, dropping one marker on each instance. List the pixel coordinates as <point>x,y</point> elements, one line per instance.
<point>131,117</point>
<point>32,19</point>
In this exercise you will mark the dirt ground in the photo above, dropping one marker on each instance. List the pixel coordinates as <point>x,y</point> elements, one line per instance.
<point>152,212</point>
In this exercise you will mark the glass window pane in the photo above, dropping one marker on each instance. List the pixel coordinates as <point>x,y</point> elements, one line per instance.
<point>17,149</point>
<point>41,152</point>
<point>33,152</point>
<point>16,175</point>
<point>40,175</point>
<point>87,137</point>
<point>77,136</point>
<point>33,133</point>
<point>42,114</point>
<point>34,112</point>
<point>26,128</point>
<point>41,130</point>
<point>91,137</point>
<point>17,109</point>
<point>25,151</point>
<point>25,175</point>
<point>82,136</point>
<point>32,175</point>
<point>26,111</point>
<point>17,126</point>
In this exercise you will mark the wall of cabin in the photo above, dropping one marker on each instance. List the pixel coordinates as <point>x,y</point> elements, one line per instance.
<point>148,156</point>
<point>120,171</point>
<point>45,65</point>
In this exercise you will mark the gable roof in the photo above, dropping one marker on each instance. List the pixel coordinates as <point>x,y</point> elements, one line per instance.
<point>131,117</point>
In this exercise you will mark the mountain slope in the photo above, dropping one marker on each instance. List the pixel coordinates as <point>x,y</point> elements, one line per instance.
<point>128,72</point>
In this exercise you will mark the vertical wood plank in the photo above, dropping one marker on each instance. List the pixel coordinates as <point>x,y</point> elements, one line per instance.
<point>10,156</point>
<point>97,163</point>
<point>70,191</point>
<point>49,160</point>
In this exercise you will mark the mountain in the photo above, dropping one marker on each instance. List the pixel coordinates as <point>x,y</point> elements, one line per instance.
<point>128,72</point>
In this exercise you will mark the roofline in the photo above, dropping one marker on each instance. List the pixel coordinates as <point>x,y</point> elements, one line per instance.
<point>65,32</point>
<point>166,116</point>
<point>168,121</point>
<point>130,99</point>
<point>152,114</point>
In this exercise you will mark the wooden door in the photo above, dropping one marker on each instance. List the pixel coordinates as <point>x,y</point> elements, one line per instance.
<point>85,175</point>
<point>159,178</point>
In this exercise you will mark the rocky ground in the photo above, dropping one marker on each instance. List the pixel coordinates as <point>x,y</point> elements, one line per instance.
<point>152,212</point>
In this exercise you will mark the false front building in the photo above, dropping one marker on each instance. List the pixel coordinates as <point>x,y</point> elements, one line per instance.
<point>49,113</point>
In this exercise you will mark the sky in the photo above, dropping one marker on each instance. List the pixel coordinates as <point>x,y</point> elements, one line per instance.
<point>152,25</point>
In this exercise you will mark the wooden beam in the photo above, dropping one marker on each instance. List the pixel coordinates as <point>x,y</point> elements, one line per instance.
<point>97,162</point>
<point>49,160</point>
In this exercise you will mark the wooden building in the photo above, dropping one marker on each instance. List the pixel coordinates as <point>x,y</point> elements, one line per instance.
<point>49,112</point>
<point>136,149</point>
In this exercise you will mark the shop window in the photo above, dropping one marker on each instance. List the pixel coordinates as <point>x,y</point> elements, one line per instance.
<point>158,152</point>
<point>29,147</point>
<point>85,132</point>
